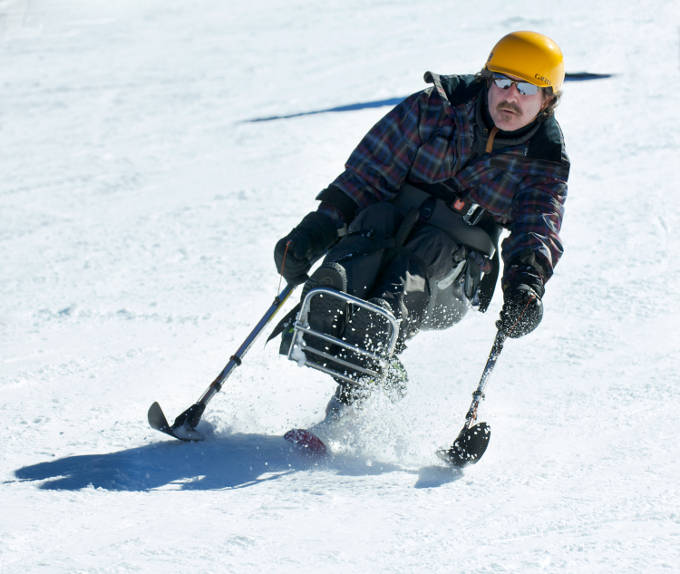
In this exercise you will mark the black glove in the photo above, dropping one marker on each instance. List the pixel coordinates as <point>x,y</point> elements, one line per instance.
<point>522,311</point>
<point>295,253</point>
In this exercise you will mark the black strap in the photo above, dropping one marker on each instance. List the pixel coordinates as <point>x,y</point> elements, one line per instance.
<point>487,285</point>
<point>446,219</point>
<point>283,323</point>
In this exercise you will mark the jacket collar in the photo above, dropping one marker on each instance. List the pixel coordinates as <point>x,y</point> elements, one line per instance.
<point>456,90</point>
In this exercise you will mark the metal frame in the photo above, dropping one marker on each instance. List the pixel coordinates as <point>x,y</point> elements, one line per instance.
<point>299,349</point>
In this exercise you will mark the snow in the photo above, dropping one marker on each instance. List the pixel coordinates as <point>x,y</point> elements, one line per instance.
<point>139,207</point>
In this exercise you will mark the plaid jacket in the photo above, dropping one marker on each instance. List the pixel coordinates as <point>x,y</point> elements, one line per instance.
<point>439,135</point>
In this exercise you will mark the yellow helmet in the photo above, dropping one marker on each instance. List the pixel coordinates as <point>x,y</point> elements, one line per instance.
<point>530,56</point>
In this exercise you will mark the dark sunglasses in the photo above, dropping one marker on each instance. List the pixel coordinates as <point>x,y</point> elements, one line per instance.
<point>524,88</point>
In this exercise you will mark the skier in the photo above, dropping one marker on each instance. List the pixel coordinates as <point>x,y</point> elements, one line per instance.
<point>413,223</point>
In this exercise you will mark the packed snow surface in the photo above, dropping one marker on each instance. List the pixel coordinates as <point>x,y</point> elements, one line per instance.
<point>139,206</point>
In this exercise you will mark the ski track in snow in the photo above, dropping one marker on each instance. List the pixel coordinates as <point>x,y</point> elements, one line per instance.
<point>139,208</point>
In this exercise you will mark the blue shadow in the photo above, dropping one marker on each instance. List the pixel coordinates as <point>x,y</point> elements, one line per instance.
<point>234,461</point>
<point>345,108</point>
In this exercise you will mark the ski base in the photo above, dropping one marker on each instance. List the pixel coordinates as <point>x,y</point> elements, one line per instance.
<point>158,422</point>
<point>306,442</point>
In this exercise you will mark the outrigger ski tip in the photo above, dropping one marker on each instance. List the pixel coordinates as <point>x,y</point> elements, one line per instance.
<point>468,448</point>
<point>182,431</point>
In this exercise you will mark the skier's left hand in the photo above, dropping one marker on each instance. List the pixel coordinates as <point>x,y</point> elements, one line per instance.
<point>295,253</point>
<point>522,311</point>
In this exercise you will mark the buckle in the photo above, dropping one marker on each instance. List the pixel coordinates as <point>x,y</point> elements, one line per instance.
<point>470,212</point>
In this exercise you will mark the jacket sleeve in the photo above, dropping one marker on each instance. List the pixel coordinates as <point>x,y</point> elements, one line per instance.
<point>534,247</point>
<point>379,165</point>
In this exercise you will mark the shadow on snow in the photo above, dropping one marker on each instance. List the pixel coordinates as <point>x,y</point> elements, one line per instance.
<point>345,108</point>
<point>234,461</point>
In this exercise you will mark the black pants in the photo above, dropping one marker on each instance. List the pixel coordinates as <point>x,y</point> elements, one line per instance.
<point>420,279</point>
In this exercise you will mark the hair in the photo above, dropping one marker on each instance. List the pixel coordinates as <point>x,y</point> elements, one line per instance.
<point>553,98</point>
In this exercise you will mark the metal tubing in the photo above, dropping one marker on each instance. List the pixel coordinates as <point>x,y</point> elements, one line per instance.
<point>478,394</point>
<point>194,413</point>
<point>298,350</point>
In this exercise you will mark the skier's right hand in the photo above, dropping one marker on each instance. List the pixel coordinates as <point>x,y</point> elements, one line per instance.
<point>522,311</point>
<point>295,253</point>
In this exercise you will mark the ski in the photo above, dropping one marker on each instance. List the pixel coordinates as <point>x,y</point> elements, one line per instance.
<point>306,442</point>
<point>158,422</point>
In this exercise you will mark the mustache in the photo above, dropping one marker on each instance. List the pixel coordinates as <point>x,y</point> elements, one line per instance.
<point>509,106</point>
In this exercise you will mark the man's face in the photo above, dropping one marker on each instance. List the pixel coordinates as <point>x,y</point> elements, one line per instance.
<point>511,110</point>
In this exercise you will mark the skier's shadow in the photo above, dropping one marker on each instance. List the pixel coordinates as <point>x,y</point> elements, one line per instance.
<point>233,461</point>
